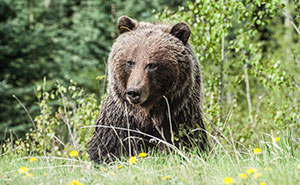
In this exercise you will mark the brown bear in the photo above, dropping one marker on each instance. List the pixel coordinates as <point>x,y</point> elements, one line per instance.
<point>154,88</point>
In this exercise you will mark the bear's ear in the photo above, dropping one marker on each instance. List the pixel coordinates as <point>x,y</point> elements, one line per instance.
<point>182,31</point>
<point>126,24</point>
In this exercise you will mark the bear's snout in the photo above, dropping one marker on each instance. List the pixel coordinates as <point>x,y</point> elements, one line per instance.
<point>133,95</point>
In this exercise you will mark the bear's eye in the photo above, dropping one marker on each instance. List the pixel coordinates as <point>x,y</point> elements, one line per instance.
<point>151,66</point>
<point>130,63</point>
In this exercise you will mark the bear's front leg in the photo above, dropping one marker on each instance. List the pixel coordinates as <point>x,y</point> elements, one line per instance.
<point>109,141</point>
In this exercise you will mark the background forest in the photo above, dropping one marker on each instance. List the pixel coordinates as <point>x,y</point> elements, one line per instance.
<point>58,40</point>
<point>53,65</point>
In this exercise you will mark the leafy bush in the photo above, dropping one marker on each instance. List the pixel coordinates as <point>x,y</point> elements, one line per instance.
<point>58,128</point>
<point>251,85</point>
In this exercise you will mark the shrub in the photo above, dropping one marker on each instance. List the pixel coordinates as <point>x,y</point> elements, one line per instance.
<point>250,83</point>
<point>58,128</point>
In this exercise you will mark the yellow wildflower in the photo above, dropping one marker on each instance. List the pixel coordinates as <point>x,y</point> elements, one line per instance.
<point>228,180</point>
<point>165,178</point>
<point>28,175</point>
<point>75,182</point>
<point>298,166</point>
<point>251,170</point>
<point>103,169</point>
<point>74,153</point>
<point>120,166</point>
<point>242,175</point>
<point>257,151</point>
<point>33,159</point>
<point>112,173</point>
<point>132,160</point>
<point>45,174</point>
<point>23,170</point>
<point>143,154</point>
<point>262,183</point>
<point>277,139</point>
<point>268,169</point>
<point>257,175</point>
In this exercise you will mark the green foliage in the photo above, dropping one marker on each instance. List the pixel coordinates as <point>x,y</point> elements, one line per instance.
<point>60,40</point>
<point>250,73</point>
<point>58,130</point>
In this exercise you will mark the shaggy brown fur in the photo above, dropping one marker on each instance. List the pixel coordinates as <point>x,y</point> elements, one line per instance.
<point>149,61</point>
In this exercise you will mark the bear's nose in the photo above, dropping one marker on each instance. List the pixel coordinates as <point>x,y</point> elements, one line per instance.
<point>133,94</point>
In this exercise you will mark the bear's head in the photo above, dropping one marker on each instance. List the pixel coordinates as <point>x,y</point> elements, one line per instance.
<point>148,61</point>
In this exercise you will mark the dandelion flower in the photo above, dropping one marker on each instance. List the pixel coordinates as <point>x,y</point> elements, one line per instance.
<point>23,170</point>
<point>257,175</point>
<point>165,178</point>
<point>74,153</point>
<point>268,169</point>
<point>120,166</point>
<point>33,159</point>
<point>257,151</point>
<point>112,173</point>
<point>228,180</point>
<point>132,160</point>
<point>298,166</point>
<point>28,175</point>
<point>103,169</point>
<point>277,139</point>
<point>143,154</point>
<point>251,170</point>
<point>263,183</point>
<point>75,182</point>
<point>242,175</point>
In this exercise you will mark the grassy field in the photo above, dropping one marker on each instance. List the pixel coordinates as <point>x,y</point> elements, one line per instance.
<point>274,161</point>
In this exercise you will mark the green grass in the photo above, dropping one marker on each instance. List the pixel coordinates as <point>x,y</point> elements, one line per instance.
<point>281,157</point>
